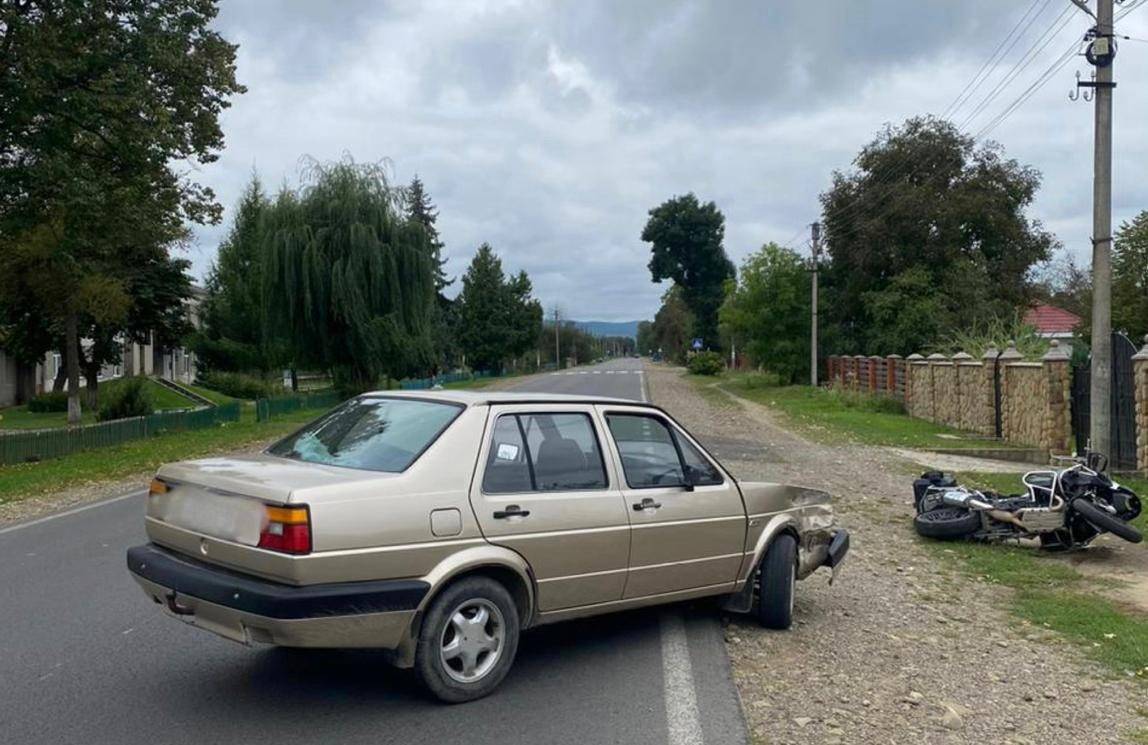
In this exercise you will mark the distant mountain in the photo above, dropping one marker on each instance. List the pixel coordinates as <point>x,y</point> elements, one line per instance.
<point>610,328</point>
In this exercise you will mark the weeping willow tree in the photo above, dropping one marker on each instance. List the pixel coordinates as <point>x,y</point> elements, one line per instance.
<point>349,281</point>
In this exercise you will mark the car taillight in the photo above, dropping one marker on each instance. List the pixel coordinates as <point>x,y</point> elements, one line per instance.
<point>287,529</point>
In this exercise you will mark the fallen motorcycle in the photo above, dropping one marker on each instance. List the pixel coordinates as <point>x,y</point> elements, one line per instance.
<point>1064,509</point>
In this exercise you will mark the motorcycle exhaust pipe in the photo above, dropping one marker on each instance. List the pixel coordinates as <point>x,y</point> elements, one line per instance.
<point>969,502</point>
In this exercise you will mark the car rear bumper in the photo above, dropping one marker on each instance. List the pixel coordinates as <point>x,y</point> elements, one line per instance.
<point>248,609</point>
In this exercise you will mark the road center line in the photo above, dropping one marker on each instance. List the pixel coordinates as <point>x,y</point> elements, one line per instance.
<point>73,511</point>
<point>683,726</point>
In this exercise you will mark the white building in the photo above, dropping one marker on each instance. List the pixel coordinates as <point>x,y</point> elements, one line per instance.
<point>19,383</point>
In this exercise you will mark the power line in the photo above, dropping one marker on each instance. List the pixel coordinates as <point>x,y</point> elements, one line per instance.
<point>1019,67</point>
<point>969,88</point>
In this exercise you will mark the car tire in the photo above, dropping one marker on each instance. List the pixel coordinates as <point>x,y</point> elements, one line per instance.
<point>1103,521</point>
<point>467,640</point>
<point>947,523</point>
<point>778,576</point>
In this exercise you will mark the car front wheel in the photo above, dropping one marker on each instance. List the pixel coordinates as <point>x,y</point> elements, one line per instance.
<point>468,640</point>
<point>778,575</point>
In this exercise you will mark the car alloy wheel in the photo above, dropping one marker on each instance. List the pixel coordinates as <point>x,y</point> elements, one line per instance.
<point>472,640</point>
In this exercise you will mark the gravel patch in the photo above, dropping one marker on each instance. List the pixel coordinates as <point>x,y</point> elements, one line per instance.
<point>901,649</point>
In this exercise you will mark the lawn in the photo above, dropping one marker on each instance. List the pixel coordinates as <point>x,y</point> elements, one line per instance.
<point>18,417</point>
<point>834,416</point>
<point>215,397</point>
<point>1052,594</point>
<point>106,464</point>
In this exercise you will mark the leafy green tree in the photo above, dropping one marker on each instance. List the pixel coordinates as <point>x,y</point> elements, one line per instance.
<point>525,314</point>
<point>348,282</point>
<point>673,325</point>
<point>421,210</point>
<point>767,312</point>
<point>686,244</point>
<point>1130,278</point>
<point>103,103</point>
<point>645,342</point>
<point>232,336</point>
<point>498,318</point>
<point>926,202</point>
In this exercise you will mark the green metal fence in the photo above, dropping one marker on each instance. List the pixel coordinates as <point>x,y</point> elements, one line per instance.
<point>23,447</point>
<point>419,384</point>
<point>269,408</point>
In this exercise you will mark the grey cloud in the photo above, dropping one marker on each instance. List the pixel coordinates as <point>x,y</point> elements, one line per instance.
<point>549,129</point>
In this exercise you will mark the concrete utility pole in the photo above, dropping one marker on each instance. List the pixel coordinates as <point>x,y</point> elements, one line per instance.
<point>557,356</point>
<point>816,228</point>
<point>1102,54</point>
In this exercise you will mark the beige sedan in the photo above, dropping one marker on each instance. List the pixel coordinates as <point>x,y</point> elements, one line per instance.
<point>440,524</point>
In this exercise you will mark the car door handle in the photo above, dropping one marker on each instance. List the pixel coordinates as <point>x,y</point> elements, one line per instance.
<point>512,510</point>
<point>646,504</point>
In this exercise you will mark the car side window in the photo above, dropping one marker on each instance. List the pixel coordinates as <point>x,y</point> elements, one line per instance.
<point>649,455</point>
<point>702,472</point>
<point>560,452</point>
<point>653,454</point>
<point>507,467</point>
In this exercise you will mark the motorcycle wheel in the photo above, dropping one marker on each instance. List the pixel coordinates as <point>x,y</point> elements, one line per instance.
<point>947,523</point>
<point>1104,521</point>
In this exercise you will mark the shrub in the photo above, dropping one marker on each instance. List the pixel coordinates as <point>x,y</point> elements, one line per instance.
<point>238,385</point>
<point>49,402</point>
<point>132,397</point>
<point>706,363</point>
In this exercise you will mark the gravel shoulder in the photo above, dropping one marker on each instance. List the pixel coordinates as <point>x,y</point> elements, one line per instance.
<point>901,649</point>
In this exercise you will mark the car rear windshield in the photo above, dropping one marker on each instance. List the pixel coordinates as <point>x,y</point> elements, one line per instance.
<point>374,434</point>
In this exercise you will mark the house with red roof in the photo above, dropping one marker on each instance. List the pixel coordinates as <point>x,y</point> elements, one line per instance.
<point>1051,322</point>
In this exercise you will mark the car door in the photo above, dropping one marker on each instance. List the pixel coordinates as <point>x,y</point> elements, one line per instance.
<point>685,534</point>
<point>546,490</point>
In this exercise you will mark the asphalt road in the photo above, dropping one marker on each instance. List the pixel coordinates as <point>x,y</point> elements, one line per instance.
<point>84,657</point>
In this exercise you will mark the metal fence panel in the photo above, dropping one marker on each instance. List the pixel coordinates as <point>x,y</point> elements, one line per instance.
<point>44,444</point>
<point>269,408</point>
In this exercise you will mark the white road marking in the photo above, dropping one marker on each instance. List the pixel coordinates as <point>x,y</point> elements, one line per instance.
<point>683,725</point>
<point>73,511</point>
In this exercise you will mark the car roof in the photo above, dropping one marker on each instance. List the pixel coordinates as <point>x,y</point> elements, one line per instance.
<point>486,398</point>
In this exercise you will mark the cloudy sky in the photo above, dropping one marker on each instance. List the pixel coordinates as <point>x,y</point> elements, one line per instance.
<point>548,129</point>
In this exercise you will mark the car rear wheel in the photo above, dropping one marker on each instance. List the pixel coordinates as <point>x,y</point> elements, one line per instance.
<point>468,640</point>
<point>778,576</point>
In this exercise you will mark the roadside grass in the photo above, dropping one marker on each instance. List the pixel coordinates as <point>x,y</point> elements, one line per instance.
<point>835,416</point>
<point>18,417</point>
<point>215,397</point>
<point>107,464</point>
<point>1052,595</point>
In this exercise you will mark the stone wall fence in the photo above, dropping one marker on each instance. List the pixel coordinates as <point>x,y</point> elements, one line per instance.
<point>1140,378</point>
<point>962,392</point>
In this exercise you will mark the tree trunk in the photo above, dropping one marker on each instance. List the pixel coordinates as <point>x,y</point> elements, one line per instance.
<point>294,380</point>
<point>71,342</point>
<point>61,372</point>
<point>92,386</point>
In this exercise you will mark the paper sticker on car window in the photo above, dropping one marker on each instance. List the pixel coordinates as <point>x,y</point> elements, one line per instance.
<point>507,451</point>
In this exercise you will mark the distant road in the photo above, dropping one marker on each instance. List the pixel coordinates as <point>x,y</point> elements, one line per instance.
<point>87,659</point>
